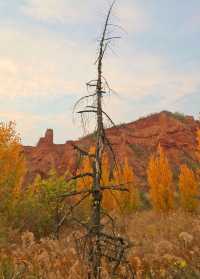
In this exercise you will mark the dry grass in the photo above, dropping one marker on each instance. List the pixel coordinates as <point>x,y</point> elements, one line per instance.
<point>164,246</point>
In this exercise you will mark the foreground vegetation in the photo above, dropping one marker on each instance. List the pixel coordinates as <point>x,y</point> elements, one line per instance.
<point>164,246</point>
<point>37,237</point>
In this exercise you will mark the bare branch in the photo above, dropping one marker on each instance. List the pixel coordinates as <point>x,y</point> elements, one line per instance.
<point>111,38</point>
<point>107,84</point>
<point>95,241</point>
<point>85,111</point>
<point>80,176</point>
<point>81,99</point>
<point>83,152</point>
<point>109,118</point>
<point>117,26</point>
<point>111,150</point>
<point>71,209</point>
<point>92,82</point>
<point>115,188</point>
<point>75,193</point>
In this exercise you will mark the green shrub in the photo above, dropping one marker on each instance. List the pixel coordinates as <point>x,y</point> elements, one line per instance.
<point>39,209</point>
<point>144,200</point>
<point>7,270</point>
<point>179,116</point>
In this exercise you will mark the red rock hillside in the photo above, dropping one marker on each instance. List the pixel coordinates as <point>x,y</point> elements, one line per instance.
<point>136,140</point>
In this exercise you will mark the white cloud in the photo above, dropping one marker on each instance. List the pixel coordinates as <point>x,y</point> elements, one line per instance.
<point>41,64</point>
<point>63,11</point>
<point>44,64</point>
<point>132,17</point>
<point>27,124</point>
<point>140,74</point>
<point>192,24</point>
<point>31,126</point>
<point>35,62</point>
<point>129,14</point>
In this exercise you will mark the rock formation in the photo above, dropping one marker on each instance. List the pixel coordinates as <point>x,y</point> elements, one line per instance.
<point>136,140</point>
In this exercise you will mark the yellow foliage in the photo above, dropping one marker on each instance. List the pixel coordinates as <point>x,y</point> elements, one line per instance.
<point>12,166</point>
<point>160,181</point>
<point>112,199</point>
<point>198,151</point>
<point>117,179</point>
<point>85,182</point>
<point>105,170</point>
<point>127,201</point>
<point>188,187</point>
<point>108,198</point>
<point>198,141</point>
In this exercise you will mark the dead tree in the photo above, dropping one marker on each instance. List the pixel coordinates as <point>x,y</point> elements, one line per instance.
<point>97,243</point>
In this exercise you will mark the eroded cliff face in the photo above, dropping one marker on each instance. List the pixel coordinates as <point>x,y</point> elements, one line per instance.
<point>136,140</point>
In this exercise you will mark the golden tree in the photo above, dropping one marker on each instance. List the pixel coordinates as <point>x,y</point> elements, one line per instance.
<point>160,181</point>
<point>112,200</point>
<point>197,172</point>
<point>12,162</point>
<point>127,201</point>
<point>188,187</point>
<point>198,150</point>
<point>108,198</point>
<point>198,141</point>
<point>85,182</point>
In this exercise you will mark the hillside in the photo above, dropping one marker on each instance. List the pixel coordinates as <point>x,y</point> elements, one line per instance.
<point>135,140</point>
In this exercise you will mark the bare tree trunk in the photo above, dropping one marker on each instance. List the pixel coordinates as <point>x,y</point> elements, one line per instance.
<point>96,238</point>
<point>97,195</point>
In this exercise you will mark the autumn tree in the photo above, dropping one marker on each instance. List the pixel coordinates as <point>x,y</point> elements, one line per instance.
<point>112,200</point>
<point>130,200</point>
<point>198,142</point>
<point>86,182</point>
<point>109,199</point>
<point>198,151</point>
<point>85,166</point>
<point>188,188</point>
<point>127,201</point>
<point>12,163</point>
<point>122,176</point>
<point>160,181</point>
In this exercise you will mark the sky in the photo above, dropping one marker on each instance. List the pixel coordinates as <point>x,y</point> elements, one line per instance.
<point>48,49</point>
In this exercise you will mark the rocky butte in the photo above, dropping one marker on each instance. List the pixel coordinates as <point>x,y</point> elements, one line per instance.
<point>136,140</point>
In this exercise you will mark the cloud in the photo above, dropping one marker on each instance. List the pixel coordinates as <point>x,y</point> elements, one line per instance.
<point>140,74</point>
<point>128,13</point>
<point>58,11</point>
<point>192,23</point>
<point>27,124</point>
<point>41,64</point>
<point>132,17</point>
<point>32,126</point>
<point>37,61</point>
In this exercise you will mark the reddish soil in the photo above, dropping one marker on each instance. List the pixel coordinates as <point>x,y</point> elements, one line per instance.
<point>136,140</point>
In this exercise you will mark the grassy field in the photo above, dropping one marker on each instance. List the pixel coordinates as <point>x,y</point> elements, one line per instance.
<point>163,246</point>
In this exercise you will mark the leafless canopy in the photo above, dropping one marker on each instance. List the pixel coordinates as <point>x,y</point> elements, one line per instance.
<point>98,242</point>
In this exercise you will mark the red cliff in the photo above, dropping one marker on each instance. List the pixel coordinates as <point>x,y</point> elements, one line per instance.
<point>136,140</point>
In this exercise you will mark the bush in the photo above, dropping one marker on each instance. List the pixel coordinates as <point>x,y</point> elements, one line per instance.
<point>39,209</point>
<point>179,116</point>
